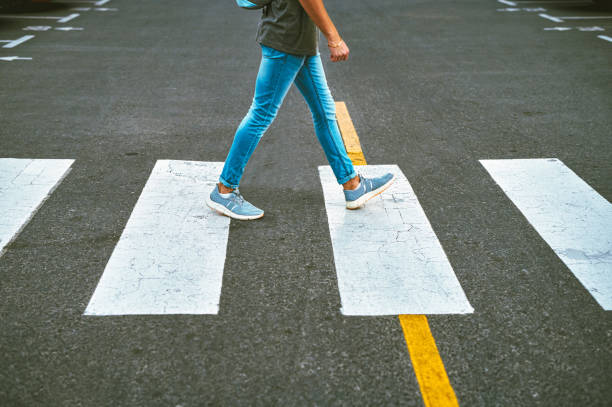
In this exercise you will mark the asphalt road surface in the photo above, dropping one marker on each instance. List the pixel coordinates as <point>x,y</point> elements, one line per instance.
<point>431,86</point>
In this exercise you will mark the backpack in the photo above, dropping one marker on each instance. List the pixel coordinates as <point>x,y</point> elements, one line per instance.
<point>253,4</point>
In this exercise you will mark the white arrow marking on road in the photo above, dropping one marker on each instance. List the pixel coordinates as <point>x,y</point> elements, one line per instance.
<point>591,28</point>
<point>14,43</point>
<point>388,258</point>
<point>571,217</point>
<point>24,185</point>
<point>170,257</point>
<point>551,18</point>
<point>37,28</point>
<point>14,58</point>
<point>605,38</point>
<point>587,18</point>
<point>69,28</point>
<point>68,18</point>
<point>59,19</point>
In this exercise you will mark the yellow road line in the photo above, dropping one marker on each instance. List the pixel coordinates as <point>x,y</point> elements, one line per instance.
<point>349,135</point>
<point>426,361</point>
<point>428,367</point>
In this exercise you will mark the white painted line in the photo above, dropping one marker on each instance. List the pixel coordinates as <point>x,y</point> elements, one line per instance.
<point>37,28</point>
<point>59,19</point>
<point>81,8</point>
<point>509,3</point>
<point>557,29</point>
<point>587,18</point>
<point>170,257</point>
<point>24,185</point>
<point>571,217</point>
<point>69,28</point>
<point>551,18</point>
<point>388,259</point>
<point>101,2</point>
<point>68,18</point>
<point>105,9</point>
<point>605,38</point>
<point>14,58</point>
<point>18,41</point>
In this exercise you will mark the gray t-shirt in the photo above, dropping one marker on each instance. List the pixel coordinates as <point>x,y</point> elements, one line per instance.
<point>285,26</point>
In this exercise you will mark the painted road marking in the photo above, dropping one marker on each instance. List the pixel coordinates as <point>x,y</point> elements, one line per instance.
<point>170,257</point>
<point>428,367</point>
<point>551,18</point>
<point>571,217</point>
<point>562,19</point>
<point>585,29</point>
<point>59,19</point>
<point>69,28</point>
<point>427,363</point>
<point>605,38</point>
<point>24,185</point>
<point>37,28</point>
<point>388,259</point>
<point>349,135</point>
<point>15,58</point>
<point>14,43</point>
<point>506,2</point>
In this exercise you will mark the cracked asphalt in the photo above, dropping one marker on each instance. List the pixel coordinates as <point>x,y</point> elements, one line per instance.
<point>431,86</point>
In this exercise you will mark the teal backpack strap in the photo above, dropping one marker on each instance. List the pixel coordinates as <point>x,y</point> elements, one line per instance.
<point>252,5</point>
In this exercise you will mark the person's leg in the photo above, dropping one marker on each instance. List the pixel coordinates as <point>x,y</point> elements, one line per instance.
<point>277,72</point>
<point>312,83</point>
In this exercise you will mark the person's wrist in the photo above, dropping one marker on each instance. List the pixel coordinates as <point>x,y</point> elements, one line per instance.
<point>336,44</point>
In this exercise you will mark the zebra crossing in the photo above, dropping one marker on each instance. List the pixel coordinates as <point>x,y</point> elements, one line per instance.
<point>170,256</point>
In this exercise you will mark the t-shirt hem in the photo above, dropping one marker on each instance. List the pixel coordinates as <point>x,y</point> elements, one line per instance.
<point>288,50</point>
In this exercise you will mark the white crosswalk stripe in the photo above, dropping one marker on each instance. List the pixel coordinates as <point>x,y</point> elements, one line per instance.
<point>24,185</point>
<point>388,259</point>
<point>570,216</point>
<point>171,254</point>
<point>170,257</point>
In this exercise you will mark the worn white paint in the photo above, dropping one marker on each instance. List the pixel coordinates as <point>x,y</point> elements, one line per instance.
<point>24,185</point>
<point>37,28</point>
<point>388,259</point>
<point>59,19</point>
<point>586,17</point>
<point>170,257</point>
<point>15,58</point>
<point>509,3</point>
<point>569,215</point>
<point>14,43</point>
<point>69,28</point>
<point>551,18</point>
<point>605,38</point>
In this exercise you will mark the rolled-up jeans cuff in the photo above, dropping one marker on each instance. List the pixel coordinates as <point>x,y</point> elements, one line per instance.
<point>227,184</point>
<point>347,178</point>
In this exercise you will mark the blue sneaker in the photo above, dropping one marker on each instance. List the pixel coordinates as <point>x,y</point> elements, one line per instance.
<point>368,188</point>
<point>234,206</point>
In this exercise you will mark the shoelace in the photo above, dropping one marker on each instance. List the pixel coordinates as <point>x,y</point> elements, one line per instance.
<point>367,182</point>
<point>237,196</point>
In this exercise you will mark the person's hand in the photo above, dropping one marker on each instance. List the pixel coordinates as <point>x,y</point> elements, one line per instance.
<point>339,52</point>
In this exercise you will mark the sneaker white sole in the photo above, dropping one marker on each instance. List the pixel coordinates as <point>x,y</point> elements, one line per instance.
<point>358,203</point>
<point>223,210</point>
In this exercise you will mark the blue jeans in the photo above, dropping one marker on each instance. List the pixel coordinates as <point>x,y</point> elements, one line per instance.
<point>277,71</point>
